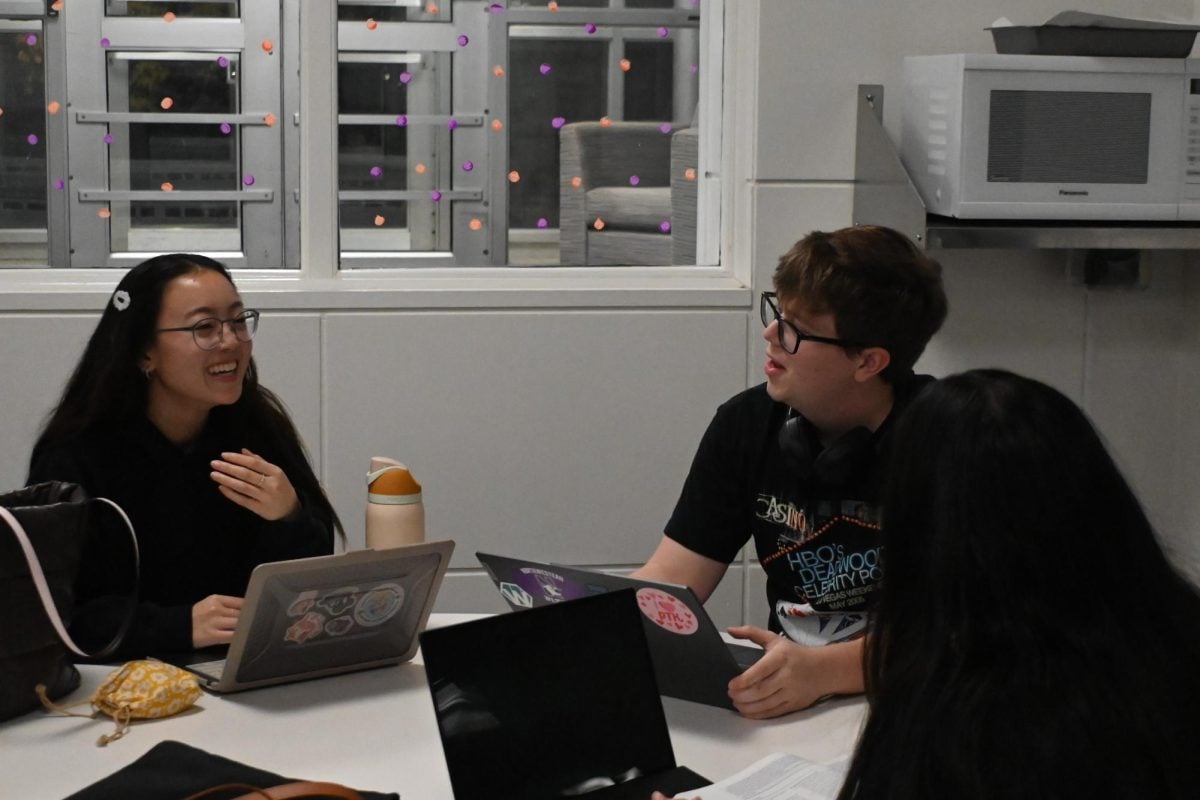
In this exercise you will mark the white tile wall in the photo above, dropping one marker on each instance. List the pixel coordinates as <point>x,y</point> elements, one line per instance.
<point>37,354</point>
<point>561,435</point>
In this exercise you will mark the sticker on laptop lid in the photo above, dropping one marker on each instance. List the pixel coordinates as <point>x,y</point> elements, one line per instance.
<point>339,601</point>
<point>549,585</point>
<point>515,595</point>
<point>379,604</point>
<point>336,627</point>
<point>667,611</point>
<point>303,603</point>
<point>305,628</point>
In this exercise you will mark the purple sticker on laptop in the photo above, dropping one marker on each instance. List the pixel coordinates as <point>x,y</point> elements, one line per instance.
<point>548,585</point>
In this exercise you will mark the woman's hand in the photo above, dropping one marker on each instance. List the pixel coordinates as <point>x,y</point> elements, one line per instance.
<point>255,483</point>
<point>213,620</point>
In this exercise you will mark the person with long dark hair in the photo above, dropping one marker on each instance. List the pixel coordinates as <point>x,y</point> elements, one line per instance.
<point>1031,638</point>
<point>165,416</point>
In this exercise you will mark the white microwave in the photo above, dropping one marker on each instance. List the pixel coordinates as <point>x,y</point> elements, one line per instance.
<point>1053,137</point>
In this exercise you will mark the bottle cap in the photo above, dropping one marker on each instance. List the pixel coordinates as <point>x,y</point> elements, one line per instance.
<point>392,485</point>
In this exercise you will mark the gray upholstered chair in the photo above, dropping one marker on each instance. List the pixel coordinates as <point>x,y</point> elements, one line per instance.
<point>604,158</point>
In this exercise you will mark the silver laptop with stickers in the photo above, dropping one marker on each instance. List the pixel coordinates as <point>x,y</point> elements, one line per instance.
<point>313,617</point>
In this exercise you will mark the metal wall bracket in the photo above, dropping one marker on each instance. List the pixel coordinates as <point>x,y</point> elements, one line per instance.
<point>883,192</point>
<point>1110,269</point>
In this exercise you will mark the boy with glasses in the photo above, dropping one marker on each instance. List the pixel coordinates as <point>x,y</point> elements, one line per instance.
<point>796,462</point>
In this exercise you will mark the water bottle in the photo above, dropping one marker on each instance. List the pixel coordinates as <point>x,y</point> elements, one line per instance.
<point>395,513</point>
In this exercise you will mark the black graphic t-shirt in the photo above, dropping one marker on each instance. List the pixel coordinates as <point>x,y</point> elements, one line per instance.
<point>818,542</point>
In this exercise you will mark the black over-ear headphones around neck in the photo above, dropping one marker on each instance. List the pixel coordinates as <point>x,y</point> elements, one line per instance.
<point>832,465</point>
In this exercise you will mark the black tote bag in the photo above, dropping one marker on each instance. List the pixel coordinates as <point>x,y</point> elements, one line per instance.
<point>174,770</point>
<point>43,532</point>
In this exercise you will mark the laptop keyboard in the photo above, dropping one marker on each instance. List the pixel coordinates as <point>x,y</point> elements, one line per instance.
<point>211,669</point>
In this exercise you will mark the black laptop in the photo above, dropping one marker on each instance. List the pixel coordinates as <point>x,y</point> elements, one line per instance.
<point>557,702</point>
<point>691,660</point>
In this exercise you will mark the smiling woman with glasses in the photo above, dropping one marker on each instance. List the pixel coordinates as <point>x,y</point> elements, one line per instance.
<point>205,461</point>
<point>210,331</point>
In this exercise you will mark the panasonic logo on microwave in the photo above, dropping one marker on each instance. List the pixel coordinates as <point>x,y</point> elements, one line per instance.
<point>1073,192</point>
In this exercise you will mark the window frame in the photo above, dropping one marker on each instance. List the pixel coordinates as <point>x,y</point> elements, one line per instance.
<point>312,220</point>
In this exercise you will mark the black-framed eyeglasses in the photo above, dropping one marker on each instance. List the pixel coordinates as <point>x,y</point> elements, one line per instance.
<point>207,333</point>
<point>789,335</point>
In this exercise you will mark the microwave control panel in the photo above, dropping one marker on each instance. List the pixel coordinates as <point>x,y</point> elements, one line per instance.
<point>1191,172</point>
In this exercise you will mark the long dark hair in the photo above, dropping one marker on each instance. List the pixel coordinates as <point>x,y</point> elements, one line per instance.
<point>1031,638</point>
<point>107,386</point>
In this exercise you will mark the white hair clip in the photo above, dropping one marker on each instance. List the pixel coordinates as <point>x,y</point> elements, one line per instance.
<point>120,300</point>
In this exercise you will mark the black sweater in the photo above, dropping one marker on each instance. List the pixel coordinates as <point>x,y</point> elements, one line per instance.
<point>193,541</point>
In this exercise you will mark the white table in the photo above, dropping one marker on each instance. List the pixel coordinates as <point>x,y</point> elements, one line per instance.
<point>370,730</point>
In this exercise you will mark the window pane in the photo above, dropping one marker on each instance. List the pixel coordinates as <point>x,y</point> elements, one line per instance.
<point>649,81</point>
<point>373,158</point>
<point>357,11</point>
<point>22,144</point>
<point>374,88</point>
<point>575,89</point>
<point>174,157</point>
<point>180,8</point>
<point>398,155</point>
<point>182,85</point>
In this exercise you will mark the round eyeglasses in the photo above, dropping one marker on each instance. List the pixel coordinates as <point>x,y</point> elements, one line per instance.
<point>789,335</point>
<point>208,332</point>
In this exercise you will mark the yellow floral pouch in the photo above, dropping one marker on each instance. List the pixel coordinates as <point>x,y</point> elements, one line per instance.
<point>145,689</point>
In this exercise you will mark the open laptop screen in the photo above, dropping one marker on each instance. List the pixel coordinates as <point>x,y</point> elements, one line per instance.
<point>548,703</point>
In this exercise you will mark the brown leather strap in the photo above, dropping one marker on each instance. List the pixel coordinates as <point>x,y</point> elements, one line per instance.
<point>284,791</point>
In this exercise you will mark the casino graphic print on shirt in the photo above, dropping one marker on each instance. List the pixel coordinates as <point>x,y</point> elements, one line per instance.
<point>822,565</point>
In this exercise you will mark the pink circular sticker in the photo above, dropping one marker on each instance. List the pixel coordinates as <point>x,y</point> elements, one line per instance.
<point>667,611</point>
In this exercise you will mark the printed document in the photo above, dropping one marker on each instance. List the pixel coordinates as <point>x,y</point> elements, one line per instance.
<point>779,776</point>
